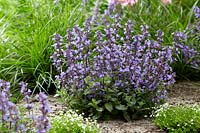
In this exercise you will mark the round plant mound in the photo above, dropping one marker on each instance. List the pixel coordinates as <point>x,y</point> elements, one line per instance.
<point>107,70</point>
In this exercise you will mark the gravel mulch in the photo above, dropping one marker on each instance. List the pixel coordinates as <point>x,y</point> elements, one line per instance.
<point>137,126</point>
<point>185,93</point>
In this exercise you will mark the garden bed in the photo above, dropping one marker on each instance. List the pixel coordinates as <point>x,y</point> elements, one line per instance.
<point>113,63</point>
<point>182,93</point>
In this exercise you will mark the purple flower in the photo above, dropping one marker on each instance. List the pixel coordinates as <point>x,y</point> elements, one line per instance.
<point>189,54</point>
<point>26,92</point>
<point>159,36</point>
<point>179,36</point>
<point>8,109</point>
<point>113,57</point>
<point>42,122</point>
<point>197,11</point>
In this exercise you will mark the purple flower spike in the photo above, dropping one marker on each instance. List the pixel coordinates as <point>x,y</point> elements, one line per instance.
<point>26,93</point>
<point>159,36</point>
<point>42,123</point>
<point>189,54</point>
<point>8,109</point>
<point>197,11</point>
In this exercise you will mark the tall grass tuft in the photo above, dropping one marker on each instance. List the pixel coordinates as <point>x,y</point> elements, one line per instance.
<point>27,27</point>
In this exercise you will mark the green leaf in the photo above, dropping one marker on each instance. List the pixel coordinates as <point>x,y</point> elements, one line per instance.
<point>126,116</point>
<point>87,91</point>
<point>91,84</point>
<point>128,99</point>
<point>119,94</point>
<point>87,79</point>
<point>114,99</point>
<point>141,103</point>
<point>91,104</point>
<point>111,90</point>
<point>107,80</point>
<point>109,107</point>
<point>121,107</point>
<point>94,103</point>
<point>97,116</point>
<point>99,109</point>
<point>131,101</point>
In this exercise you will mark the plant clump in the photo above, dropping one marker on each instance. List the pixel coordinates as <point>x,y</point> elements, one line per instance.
<point>181,118</point>
<point>71,122</point>
<point>186,46</point>
<point>107,70</point>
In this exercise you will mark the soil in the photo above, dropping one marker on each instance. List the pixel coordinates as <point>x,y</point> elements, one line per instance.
<point>185,93</point>
<point>181,93</point>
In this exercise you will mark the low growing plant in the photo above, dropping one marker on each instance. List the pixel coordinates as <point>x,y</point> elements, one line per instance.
<point>71,122</point>
<point>181,118</point>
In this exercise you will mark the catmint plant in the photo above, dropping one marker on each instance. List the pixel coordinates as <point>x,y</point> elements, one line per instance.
<point>189,54</point>
<point>186,48</point>
<point>110,67</point>
<point>42,122</point>
<point>186,42</point>
<point>26,93</point>
<point>9,112</point>
<point>14,121</point>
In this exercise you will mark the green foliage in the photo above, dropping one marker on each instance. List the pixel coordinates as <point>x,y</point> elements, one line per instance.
<point>134,104</point>
<point>178,16</point>
<point>71,122</point>
<point>178,119</point>
<point>184,71</point>
<point>26,27</point>
<point>169,18</point>
<point>26,44</point>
